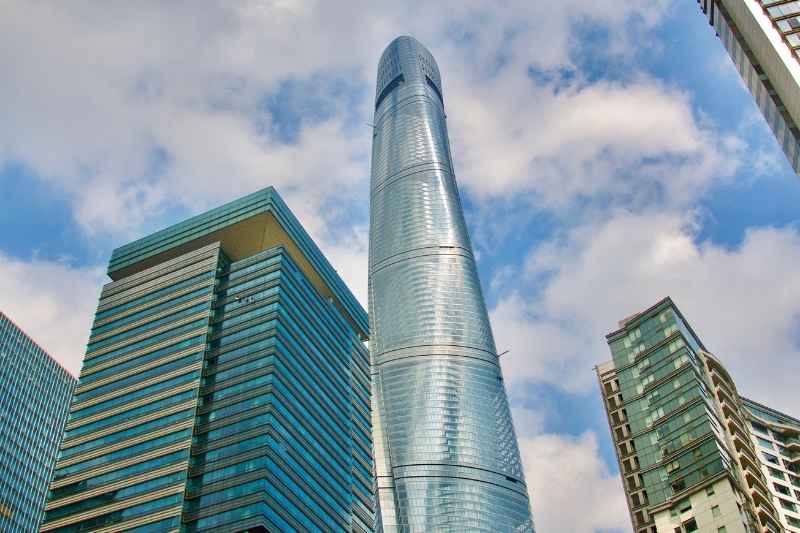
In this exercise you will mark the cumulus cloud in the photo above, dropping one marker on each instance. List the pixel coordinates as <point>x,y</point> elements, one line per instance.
<point>744,301</point>
<point>571,487</point>
<point>634,143</point>
<point>132,111</point>
<point>52,303</point>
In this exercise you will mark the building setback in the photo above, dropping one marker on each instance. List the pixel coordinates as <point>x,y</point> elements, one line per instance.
<point>225,386</point>
<point>762,38</point>
<point>35,392</point>
<point>446,453</point>
<point>684,437</point>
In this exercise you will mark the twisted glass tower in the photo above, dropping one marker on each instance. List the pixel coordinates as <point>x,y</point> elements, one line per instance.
<point>446,454</point>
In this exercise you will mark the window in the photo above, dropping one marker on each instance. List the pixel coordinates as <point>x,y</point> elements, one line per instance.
<point>715,512</point>
<point>690,525</point>
<point>783,489</point>
<point>722,529</point>
<point>776,473</point>
<point>771,458</point>
<point>765,443</point>
<point>758,427</point>
<point>678,486</point>
<point>787,505</point>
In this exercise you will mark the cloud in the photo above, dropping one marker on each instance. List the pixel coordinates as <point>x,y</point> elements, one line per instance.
<point>744,302</point>
<point>52,303</point>
<point>628,143</point>
<point>134,111</point>
<point>571,488</point>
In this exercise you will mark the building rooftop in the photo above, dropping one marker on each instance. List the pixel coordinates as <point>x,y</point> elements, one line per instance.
<point>243,227</point>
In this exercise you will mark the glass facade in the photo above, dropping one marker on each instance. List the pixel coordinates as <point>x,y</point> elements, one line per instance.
<point>225,387</point>
<point>785,15</point>
<point>445,448</point>
<point>34,399</point>
<point>677,423</point>
<point>769,102</point>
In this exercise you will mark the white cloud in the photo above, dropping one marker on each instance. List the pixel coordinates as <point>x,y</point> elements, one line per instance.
<point>571,488</point>
<point>99,95</point>
<point>52,303</point>
<point>744,302</point>
<point>632,143</point>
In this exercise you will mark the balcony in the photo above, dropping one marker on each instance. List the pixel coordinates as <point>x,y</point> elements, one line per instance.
<point>749,464</point>
<point>754,481</point>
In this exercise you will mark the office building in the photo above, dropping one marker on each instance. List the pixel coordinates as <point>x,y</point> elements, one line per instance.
<point>225,386</point>
<point>762,38</point>
<point>682,432</point>
<point>35,392</point>
<point>445,449</point>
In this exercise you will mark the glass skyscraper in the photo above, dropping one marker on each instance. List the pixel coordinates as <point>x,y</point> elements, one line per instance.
<point>762,38</point>
<point>225,387</point>
<point>445,449</point>
<point>34,399</point>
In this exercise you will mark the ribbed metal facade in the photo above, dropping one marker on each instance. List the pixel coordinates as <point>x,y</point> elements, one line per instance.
<point>34,398</point>
<point>225,387</point>
<point>446,453</point>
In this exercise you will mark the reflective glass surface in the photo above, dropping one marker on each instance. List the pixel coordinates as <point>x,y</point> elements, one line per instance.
<point>34,400</point>
<point>220,395</point>
<point>445,449</point>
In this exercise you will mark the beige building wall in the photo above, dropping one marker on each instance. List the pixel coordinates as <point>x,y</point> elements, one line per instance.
<point>714,509</point>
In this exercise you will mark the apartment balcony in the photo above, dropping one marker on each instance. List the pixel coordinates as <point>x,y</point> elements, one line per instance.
<point>749,464</point>
<point>732,413</point>
<point>754,481</point>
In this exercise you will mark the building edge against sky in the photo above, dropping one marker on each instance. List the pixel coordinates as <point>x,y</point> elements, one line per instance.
<point>692,452</point>
<point>446,453</point>
<point>225,386</point>
<point>35,392</point>
<point>762,38</point>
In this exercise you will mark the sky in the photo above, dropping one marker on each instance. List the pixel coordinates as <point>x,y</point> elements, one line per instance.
<point>607,153</point>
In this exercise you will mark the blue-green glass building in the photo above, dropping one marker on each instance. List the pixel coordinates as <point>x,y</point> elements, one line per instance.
<point>225,386</point>
<point>34,399</point>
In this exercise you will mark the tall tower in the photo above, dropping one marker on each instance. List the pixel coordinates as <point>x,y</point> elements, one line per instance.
<point>34,399</point>
<point>446,453</point>
<point>762,38</point>
<point>225,387</point>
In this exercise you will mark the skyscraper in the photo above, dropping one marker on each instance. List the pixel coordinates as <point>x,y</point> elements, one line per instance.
<point>34,399</point>
<point>762,38</point>
<point>225,386</point>
<point>446,453</point>
<point>684,437</point>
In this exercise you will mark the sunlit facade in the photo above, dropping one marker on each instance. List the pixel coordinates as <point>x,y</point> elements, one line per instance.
<point>762,38</point>
<point>681,432</point>
<point>225,387</point>
<point>776,437</point>
<point>35,392</point>
<point>446,453</point>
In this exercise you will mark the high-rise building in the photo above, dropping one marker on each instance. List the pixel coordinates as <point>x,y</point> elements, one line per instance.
<point>35,392</point>
<point>445,449</point>
<point>762,38</point>
<point>777,439</point>
<point>681,432</point>
<point>225,386</point>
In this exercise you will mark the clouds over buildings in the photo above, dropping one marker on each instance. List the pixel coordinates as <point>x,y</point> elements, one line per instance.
<point>744,301</point>
<point>140,115</point>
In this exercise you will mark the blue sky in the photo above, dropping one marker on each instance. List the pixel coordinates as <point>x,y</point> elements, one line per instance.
<point>607,153</point>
